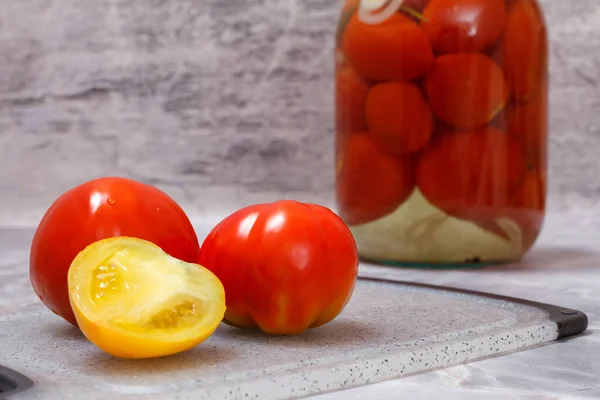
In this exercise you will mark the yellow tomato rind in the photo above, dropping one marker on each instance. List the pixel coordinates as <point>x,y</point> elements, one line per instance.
<point>122,345</point>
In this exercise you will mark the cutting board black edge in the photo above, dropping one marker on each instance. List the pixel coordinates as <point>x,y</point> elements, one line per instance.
<point>12,382</point>
<point>569,322</point>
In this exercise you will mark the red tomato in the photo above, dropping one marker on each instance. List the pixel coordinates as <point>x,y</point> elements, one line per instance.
<point>461,26</point>
<point>528,123</point>
<point>286,266</point>
<point>350,96</point>
<point>466,90</point>
<point>471,174</point>
<point>398,116</point>
<point>527,206</point>
<point>371,182</point>
<point>99,209</point>
<point>524,49</point>
<point>415,5</point>
<point>396,49</point>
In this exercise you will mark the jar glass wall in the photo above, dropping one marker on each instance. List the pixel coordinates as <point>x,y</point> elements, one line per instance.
<point>441,128</point>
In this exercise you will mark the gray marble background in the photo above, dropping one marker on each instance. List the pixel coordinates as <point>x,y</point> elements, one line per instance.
<point>222,103</point>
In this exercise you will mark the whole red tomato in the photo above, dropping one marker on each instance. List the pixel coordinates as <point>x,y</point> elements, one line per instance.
<point>371,182</point>
<point>471,174</point>
<point>99,209</point>
<point>462,26</point>
<point>528,123</point>
<point>286,266</point>
<point>396,49</point>
<point>466,90</point>
<point>398,116</point>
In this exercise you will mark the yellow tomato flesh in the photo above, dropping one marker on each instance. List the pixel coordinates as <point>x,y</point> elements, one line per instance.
<point>133,300</point>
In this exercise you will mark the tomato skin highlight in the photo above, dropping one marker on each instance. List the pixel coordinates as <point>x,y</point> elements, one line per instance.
<point>99,209</point>
<point>286,266</point>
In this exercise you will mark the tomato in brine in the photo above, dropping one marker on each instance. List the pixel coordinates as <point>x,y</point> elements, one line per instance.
<point>461,26</point>
<point>466,90</point>
<point>399,117</point>
<point>471,174</point>
<point>350,97</point>
<point>528,124</point>
<point>371,183</point>
<point>524,49</point>
<point>396,49</point>
<point>528,205</point>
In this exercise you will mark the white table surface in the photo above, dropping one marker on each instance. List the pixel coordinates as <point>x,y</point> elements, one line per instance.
<point>563,269</point>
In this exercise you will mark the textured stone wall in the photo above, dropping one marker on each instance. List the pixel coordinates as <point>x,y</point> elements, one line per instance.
<point>221,103</point>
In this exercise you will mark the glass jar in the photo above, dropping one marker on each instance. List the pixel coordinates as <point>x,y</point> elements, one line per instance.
<point>441,128</point>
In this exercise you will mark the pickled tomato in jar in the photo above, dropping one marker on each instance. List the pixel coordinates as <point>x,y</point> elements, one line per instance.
<point>441,129</point>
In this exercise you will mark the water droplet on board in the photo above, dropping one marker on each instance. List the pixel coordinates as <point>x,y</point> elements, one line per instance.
<point>112,202</point>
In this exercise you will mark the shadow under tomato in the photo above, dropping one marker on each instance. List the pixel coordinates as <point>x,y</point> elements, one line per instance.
<point>209,353</point>
<point>63,330</point>
<point>205,355</point>
<point>339,332</point>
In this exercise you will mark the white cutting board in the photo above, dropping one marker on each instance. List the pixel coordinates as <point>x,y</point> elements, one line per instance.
<point>389,329</point>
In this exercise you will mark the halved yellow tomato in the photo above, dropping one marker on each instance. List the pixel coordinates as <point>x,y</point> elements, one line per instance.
<point>133,300</point>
